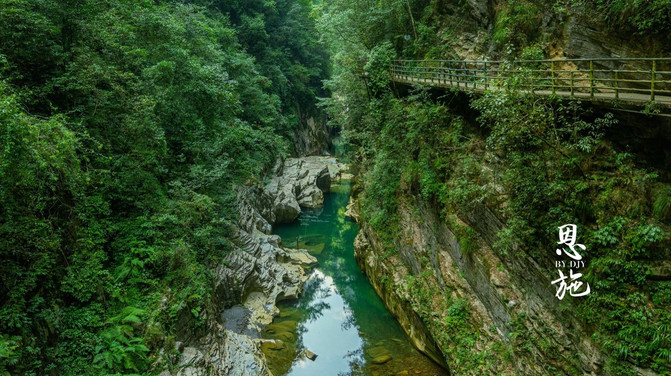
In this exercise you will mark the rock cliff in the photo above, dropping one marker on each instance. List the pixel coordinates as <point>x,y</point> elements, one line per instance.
<point>312,137</point>
<point>511,321</point>
<point>259,272</point>
<point>299,182</point>
<point>469,30</point>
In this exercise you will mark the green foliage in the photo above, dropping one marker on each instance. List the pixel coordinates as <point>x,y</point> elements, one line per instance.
<point>516,23</point>
<point>124,129</point>
<point>122,350</point>
<point>449,320</point>
<point>662,204</point>
<point>555,168</point>
<point>642,17</point>
<point>9,356</point>
<point>651,17</point>
<point>555,177</point>
<point>378,67</point>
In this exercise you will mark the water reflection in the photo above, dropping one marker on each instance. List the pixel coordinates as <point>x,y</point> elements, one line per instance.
<point>329,331</point>
<point>339,317</point>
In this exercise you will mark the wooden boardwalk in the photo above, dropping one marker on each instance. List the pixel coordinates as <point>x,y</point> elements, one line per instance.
<point>607,81</point>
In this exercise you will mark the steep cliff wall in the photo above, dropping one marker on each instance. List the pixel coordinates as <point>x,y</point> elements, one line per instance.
<point>312,136</point>
<point>387,274</point>
<point>469,308</point>
<point>495,29</point>
<point>459,228</point>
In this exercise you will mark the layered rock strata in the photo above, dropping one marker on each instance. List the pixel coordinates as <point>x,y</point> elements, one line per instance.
<point>508,301</point>
<point>259,272</point>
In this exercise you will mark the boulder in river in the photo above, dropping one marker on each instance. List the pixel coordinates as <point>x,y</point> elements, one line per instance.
<point>287,207</point>
<point>300,182</point>
<point>310,355</point>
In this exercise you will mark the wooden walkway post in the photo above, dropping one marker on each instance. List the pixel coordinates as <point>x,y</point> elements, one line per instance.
<point>463,76</point>
<point>424,69</point>
<point>441,71</point>
<point>552,70</point>
<point>571,84</point>
<point>431,72</point>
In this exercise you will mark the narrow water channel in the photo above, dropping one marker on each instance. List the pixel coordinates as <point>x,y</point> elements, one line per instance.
<point>339,317</point>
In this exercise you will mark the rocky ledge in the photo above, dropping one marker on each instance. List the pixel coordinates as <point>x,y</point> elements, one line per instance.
<point>259,272</point>
<point>300,182</point>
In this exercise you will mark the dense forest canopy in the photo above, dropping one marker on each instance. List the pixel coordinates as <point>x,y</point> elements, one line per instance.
<point>125,126</point>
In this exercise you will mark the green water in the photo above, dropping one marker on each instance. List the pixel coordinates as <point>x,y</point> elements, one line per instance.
<point>339,317</point>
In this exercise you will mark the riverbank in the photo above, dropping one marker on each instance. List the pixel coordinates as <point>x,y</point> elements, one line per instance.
<point>257,274</point>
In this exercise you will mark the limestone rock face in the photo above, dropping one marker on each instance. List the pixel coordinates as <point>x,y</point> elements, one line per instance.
<point>481,10</point>
<point>286,206</point>
<point>504,295</point>
<point>300,182</point>
<point>231,354</point>
<point>311,197</point>
<point>563,36</point>
<point>243,356</point>
<point>258,273</point>
<point>312,136</point>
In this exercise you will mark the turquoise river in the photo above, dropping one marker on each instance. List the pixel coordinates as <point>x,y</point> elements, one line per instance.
<point>339,317</point>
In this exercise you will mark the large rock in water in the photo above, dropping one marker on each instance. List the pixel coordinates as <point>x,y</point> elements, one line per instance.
<point>311,197</point>
<point>300,182</point>
<point>287,208</point>
<point>381,359</point>
<point>324,180</point>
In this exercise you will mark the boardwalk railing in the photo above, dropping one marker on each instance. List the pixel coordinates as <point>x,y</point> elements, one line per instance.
<point>635,80</point>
